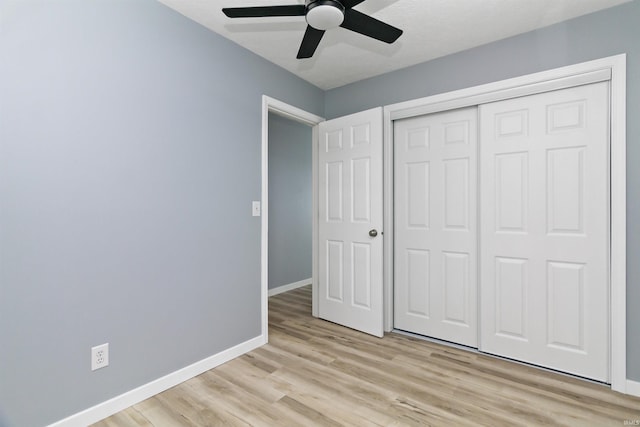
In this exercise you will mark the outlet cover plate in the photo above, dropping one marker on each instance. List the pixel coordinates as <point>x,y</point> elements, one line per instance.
<point>99,356</point>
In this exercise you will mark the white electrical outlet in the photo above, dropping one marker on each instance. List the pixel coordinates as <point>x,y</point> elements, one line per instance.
<point>99,356</point>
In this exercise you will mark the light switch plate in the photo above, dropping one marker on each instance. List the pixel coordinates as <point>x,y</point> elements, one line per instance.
<point>255,208</point>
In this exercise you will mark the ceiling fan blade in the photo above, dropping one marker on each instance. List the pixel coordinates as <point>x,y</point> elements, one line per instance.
<point>371,27</point>
<point>261,11</point>
<point>310,42</point>
<point>348,4</point>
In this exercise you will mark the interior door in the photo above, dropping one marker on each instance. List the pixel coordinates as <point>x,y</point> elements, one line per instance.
<point>435,209</point>
<point>350,220</point>
<point>545,229</point>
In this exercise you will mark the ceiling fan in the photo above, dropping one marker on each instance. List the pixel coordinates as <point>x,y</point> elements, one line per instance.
<point>322,15</point>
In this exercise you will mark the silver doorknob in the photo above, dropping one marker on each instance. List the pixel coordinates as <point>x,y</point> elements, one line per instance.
<point>373,233</point>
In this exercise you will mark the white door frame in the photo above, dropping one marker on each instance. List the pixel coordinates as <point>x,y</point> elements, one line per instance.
<point>294,113</point>
<point>611,69</point>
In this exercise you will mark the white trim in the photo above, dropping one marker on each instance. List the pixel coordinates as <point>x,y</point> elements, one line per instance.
<point>545,81</point>
<point>613,68</point>
<point>294,113</point>
<point>388,254</point>
<point>633,388</point>
<point>137,395</point>
<point>290,112</point>
<point>289,287</point>
<point>618,243</point>
<point>316,218</point>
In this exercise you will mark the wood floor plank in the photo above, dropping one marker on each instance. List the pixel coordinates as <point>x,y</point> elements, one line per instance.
<point>316,373</point>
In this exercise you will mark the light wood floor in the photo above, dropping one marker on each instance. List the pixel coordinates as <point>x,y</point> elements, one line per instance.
<point>314,372</point>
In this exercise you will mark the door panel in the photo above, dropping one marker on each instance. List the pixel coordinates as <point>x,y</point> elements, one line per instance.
<point>418,284</point>
<point>417,200</point>
<point>435,273</point>
<point>350,205</point>
<point>335,271</point>
<point>511,192</point>
<point>544,231</point>
<point>511,296</point>
<point>565,190</point>
<point>456,287</point>
<point>456,194</point>
<point>565,283</point>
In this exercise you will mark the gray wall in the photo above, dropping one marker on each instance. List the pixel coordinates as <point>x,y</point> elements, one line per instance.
<point>129,155</point>
<point>598,35</point>
<point>290,201</point>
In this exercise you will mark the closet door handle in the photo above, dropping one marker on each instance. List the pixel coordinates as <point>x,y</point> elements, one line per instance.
<point>373,233</point>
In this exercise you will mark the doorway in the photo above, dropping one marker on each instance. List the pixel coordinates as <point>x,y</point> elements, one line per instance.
<point>290,201</point>
<point>271,106</point>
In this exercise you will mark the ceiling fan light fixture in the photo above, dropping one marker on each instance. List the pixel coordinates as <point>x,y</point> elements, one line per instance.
<point>325,14</point>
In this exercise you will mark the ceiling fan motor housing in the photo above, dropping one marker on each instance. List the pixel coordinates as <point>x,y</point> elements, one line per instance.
<point>324,14</point>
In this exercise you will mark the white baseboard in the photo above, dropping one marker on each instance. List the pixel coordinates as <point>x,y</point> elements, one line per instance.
<point>289,287</point>
<point>633,388</point>
<point>137,395</point>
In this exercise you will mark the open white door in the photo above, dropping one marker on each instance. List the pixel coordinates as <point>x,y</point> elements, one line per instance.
<point>350,207</point>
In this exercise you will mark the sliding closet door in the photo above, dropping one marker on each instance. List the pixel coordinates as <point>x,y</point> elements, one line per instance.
<point>544,229</point>
<point>435,262</point>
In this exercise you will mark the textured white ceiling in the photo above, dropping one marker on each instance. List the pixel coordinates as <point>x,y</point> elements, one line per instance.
<point>432,28</point>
